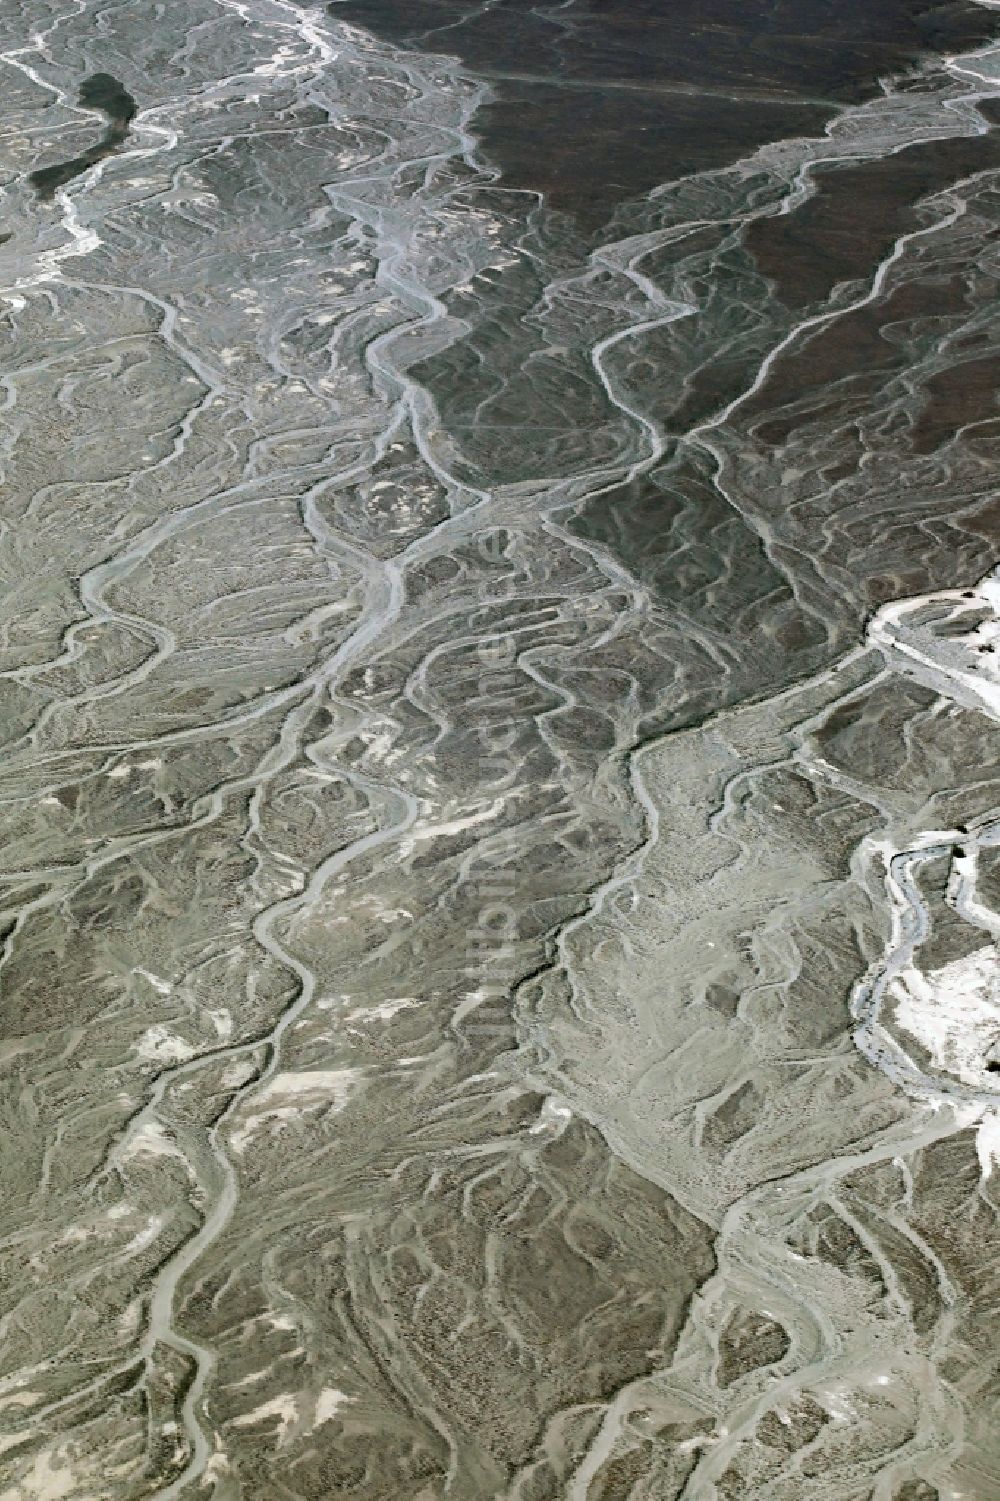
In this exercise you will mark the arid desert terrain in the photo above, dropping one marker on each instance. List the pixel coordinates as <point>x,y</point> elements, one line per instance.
<point>500,775</point>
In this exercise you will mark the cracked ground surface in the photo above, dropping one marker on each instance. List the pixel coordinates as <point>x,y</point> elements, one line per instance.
<point>499,680</point>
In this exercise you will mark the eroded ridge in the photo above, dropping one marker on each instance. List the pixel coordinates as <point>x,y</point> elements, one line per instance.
<point>450,797</point>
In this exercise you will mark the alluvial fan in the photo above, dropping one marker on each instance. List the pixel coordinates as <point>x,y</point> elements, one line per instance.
<point>499,688</point>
